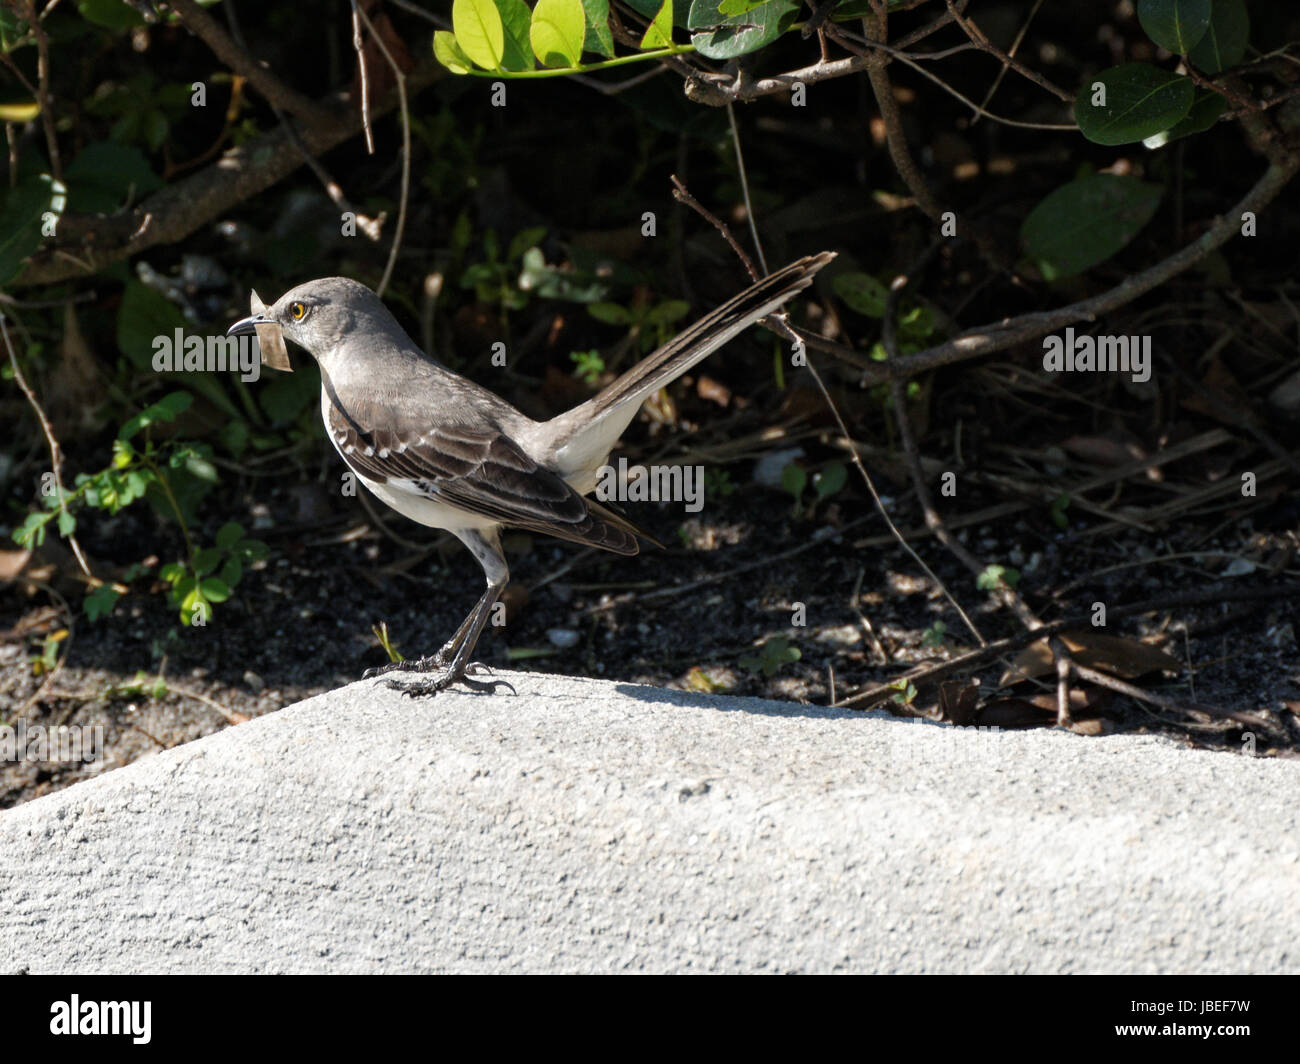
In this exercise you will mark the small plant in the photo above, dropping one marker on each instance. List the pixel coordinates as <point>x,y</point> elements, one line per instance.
<point>934,635</point>
<point>826,482</point>
<point>381,633</point>
<point>210,575</point>
<point>904,692</point>
<point>173,476</point>
<point>1057,512</point>
<point>495,279</point>
<point>44,662</point>
<point>649,323</point>
<point>141,686</point>
<point>773,655</point>
<point>718,482</point>
<point>698,680</point>
<point>588,366</point>
<point>995,576</point>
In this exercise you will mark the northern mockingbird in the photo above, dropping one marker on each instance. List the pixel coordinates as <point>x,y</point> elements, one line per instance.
<point>447,453</point>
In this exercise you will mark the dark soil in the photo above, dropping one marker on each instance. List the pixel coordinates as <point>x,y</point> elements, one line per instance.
<point>301,623</point>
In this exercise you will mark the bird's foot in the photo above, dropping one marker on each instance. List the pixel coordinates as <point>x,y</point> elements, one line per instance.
<point>426,664</point>
<point>443,677</point>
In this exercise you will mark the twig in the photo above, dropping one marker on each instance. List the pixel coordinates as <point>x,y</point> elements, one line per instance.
<point>43,81</point>
<point>56,454</point>
<point>1001,335</point>
<point>981,42</point>
<point>929,673</point>
<point>683,196</point>
<point>744,188</point>
<point>780,324</point>
<point>209,30</point>
<point>406,150</point>
<point>179,209</point>
<point>365,81</point>
<point>370,226</point>
<point>815,540</point>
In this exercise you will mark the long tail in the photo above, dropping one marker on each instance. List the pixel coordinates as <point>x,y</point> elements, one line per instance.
<point>584,436</point>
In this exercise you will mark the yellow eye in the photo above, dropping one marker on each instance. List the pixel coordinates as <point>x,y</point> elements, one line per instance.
<point>298,311</point>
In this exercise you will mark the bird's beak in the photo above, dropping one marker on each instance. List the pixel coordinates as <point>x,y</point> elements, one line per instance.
<point>270,340</point>
<point>248,326</point>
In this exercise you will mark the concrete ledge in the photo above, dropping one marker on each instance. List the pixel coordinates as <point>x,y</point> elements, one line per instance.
<point>593,826</point>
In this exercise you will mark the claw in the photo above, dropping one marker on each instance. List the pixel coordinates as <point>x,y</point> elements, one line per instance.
<point>445,678</point>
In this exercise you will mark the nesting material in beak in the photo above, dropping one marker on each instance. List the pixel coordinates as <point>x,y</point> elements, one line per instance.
<point>269,339</point>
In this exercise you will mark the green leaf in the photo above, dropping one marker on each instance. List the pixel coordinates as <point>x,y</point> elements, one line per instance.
<point>719,36</point>
<point>106,175</point>
<point>288,395</point>
<point>650,8</point>
<point>1175,25</point>
<point>523,240</point>
<point>1204,114</point>
<point>253,550</point>
<point>1224,42</point>
<point>194,604</point>
<point>24,213</point>
<point>738,7</point>
<point>112,14</point>
<point>479,32</point>
<point>229,534</point>
<point>830,480</point>
<point>1086,222</point>
<point>168,408</point>
<point>1140,101</point>
<point>599,39</point>
<point>19,111</point>
<point>232,572</point>
<point>144,315</point>
<point>100,602</point>
<point>214,589</point>
<point>609,313</point>
<point>206,561</point>
<point>659,34</point>
<point>794,480</point>
<point>558,30</point>
<point>861,292</point>
<point>31,533</point>
<point>67,523</point>
<point>994,576</point>
<point>667,312</point>
<point>450,54</point>
<point>199,467</point>
<point>515,17</point>
<point>171,406</point>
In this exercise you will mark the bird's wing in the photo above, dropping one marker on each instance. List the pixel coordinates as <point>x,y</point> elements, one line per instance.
<point>476,468</point>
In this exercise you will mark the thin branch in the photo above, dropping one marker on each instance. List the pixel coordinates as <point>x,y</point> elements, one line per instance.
<point>209,30</point>
<point>744,188</point>
<point>997,337</point>
<point>933,672</point>
<point>981,42</point>
<point>365,80</point>
<point>406,150</point>
<point>177,210</point>
<point>56,453</point>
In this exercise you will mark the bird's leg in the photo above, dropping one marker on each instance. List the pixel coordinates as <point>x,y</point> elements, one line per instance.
<point>451,663</point>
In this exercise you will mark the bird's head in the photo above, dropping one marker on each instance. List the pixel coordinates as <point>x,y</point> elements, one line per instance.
<point>318,316</point>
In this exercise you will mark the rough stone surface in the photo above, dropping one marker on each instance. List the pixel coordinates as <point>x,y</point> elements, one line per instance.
<point>592,826</point>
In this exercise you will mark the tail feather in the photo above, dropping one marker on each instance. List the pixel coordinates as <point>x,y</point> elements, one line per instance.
<point>584,436</point>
